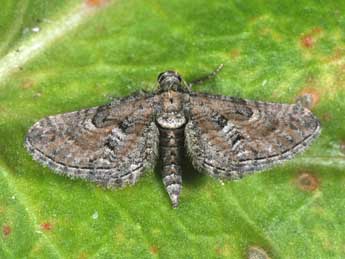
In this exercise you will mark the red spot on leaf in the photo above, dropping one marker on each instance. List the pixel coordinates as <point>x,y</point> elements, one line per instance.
<point>307,41</point>
<point>46,226</point>
<point>154,250</point>
<point>6,230</point>
<point>307,182</point>
<point>96,2</point>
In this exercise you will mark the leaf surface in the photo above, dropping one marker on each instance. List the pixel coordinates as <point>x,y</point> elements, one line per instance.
<point>60,56</point>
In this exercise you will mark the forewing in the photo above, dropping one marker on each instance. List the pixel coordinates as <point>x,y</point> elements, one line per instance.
<point>229,137</point>
<point>111,144</point>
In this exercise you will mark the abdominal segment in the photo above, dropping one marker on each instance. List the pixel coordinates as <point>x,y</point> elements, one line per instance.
<point>171,143</point>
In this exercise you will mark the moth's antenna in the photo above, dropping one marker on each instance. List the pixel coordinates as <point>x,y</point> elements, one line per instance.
<point>210,76</point>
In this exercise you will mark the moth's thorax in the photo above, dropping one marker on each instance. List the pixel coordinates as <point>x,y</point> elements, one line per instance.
<point>172,101</point>
<point>172,110</point>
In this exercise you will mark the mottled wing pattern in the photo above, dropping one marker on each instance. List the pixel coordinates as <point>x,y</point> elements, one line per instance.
<point>229,137</point>
<point>110,144</point>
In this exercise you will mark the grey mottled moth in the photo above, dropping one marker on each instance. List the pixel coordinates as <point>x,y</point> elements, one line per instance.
<point>225,137</point>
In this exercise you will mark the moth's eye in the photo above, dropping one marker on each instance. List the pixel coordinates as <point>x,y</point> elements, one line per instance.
<point>159,76</point>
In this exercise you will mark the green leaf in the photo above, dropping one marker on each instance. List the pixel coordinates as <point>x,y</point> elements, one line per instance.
<point>60,56</point>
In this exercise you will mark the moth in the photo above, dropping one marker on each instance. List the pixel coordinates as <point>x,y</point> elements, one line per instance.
<point>225,137</point>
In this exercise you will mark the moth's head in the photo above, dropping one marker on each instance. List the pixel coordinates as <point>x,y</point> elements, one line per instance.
<point>169,80</point>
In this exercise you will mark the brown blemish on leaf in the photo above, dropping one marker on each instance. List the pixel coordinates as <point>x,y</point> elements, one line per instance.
<point>235,53</point>
<point>83,255</point>
<point>336,56</point>
<point>46,226</point>
<point>268,32</point>
<point>265,31</point>
<point>305,181</point>
<point>154,249</point>
<point>120,237</point>
<point>316,30</point>
<point>328,244</point>
<point>308,39</point>
<point>310,79</point>
<point>223,250</point>
<point>95,3</point>
<point>309,97</point>
<point>326,116</point>
<point>27,84</point>
<point>339,78</point>
<point>255,252</point>
<point>6,230</point>
<point>3,109</point>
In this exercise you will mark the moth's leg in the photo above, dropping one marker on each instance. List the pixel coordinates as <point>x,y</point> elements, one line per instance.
<point>206,78</point>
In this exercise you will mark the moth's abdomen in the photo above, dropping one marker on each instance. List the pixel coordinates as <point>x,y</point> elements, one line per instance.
<point>171,143</point>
